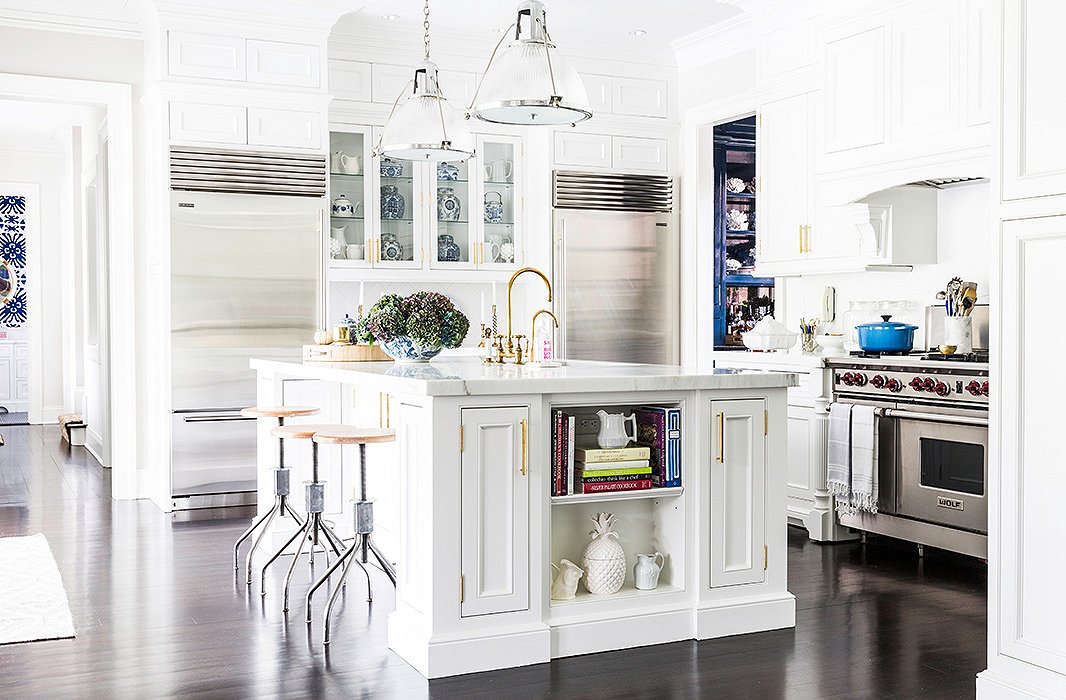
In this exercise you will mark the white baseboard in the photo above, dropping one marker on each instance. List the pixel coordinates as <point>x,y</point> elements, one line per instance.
<point>993,685</point>
<point>757,614</point>
<point>636,630</point>
<point>51,414</point>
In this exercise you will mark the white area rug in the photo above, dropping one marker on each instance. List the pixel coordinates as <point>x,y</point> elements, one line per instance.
<point>33,604</point>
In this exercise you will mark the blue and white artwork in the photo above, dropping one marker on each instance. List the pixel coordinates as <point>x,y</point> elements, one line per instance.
<point>12,260</point>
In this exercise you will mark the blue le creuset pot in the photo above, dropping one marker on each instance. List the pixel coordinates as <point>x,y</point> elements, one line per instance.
<point>886,336</point>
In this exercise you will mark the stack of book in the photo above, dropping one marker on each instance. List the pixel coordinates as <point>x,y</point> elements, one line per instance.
<point>619,469</point>
<point>562,453</point>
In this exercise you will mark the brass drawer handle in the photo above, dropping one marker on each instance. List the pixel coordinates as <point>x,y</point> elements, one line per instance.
<point>524,446</point>
<point>721,437</point>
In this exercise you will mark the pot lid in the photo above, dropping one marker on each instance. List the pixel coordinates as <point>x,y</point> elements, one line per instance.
<point>887,325</point>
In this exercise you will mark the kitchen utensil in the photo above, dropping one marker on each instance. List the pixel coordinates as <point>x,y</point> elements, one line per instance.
<point>807,330</point>
<point>948,349</point>
<point>886,336</point>
<point>613,429</point>
<point>958,331</point>
<point>342,206</point>
<point>493,208</point>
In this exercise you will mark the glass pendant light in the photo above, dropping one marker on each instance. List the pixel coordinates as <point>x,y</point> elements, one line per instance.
<point>529,83</point>
<point>425,127</point>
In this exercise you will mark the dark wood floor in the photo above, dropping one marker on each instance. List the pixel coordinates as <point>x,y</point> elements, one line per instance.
<point>158,614</point>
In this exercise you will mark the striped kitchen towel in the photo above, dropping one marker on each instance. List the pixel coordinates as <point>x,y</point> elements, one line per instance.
<point>863,459</point>
<point>838,467</point>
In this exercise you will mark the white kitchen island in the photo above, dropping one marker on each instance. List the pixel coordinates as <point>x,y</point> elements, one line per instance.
<point>464,503</point>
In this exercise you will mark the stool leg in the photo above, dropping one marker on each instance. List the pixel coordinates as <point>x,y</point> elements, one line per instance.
<point>340,561</point>
<point>240,540</point>
<point>336,593</point>
<point>386,566</point>
<point>292,567</point>
<point>276,555</point>
<point>255,544</point>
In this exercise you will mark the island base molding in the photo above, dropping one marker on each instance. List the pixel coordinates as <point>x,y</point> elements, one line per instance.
<point>642,629</point>
<point>821,524</point>
<point>1020,681</point>
<point>732,616</point>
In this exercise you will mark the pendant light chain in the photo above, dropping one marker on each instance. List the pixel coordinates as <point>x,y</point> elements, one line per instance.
<point>425,26</point>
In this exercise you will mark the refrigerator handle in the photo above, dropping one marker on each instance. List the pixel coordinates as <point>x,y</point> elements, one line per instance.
<point>559,283</point>
<point>216,419</point>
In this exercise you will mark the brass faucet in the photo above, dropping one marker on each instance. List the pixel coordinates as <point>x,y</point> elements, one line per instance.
<point>510,346</point>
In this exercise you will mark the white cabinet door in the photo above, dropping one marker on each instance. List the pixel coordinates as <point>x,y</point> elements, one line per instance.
<point>390,81</point>
<point>495,511</point>
<point>458,87</point>
<point>738,492</point>
<point>211,123</point>
<point>981,71</point>
<point>600,90</point>
<point>1031,605</point>
<point>284,127</point>
<point>6,384</point>
<point>855,90</point>
<point>325,396</point>
<point>783,50</point>
<point>280,63</point>
<point>641,98</point>
<point>350,80</point>
<point>1034,152</point>
<point>800,482</point>
<point>648,155</point>
<point>205,56</point>
<point>782,150</point>
<point>581,149</point>
<point>924,92</point>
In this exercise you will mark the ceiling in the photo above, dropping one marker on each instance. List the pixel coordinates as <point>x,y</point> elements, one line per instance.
<point>602,20</point>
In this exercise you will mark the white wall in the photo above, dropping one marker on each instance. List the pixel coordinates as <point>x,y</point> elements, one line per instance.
<point>963,242</point>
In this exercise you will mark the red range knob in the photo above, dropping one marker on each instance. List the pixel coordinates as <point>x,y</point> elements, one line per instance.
<point>984,388</point>
<point>929,384</point>
<point>878,381</point>
<point>942,389</point>
<point>917,384</point>
<point>860,379</point>
<point>894,385</point>
<point>848,378</point>
<point>974,388</point>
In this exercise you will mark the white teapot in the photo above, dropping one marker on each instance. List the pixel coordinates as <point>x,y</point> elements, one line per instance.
<point>613,429</point>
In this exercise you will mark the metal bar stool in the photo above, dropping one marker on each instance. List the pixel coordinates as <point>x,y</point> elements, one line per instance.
<point>314,529</point>
<point>281,483</point>
<point>363,512</point>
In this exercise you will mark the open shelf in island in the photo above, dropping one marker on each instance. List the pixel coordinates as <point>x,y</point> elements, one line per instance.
<point>666,492</point>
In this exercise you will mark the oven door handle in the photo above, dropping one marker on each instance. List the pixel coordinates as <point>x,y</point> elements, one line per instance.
<point>938,417</point>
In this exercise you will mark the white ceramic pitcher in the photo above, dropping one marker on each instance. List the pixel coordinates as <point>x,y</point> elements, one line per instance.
<point>646,571</point>
<point>613,429</point>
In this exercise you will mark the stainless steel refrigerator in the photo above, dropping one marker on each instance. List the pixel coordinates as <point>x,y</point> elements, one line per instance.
<point>245,282</point>
<point>615,268</point>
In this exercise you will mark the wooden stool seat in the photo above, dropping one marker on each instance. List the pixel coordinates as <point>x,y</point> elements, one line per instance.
<point>278,411</point>
<point>348,435</point>
<point>301,432</point>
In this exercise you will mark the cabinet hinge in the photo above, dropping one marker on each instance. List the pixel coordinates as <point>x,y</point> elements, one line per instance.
<point>760,119</point>
<point>462,437</point>
<point>765,558</point>
<point>462,588</point>
<point>766,422</point>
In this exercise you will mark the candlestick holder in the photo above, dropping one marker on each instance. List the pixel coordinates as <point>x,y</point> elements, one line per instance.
<point>494,330</point>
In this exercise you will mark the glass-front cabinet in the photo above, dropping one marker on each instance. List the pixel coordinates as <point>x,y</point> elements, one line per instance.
<point>394,214</point>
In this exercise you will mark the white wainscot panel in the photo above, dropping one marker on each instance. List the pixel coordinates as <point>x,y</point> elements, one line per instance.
<point>576,148</point>
<point>641,98</point>
<point>783,50</point>
<point>350,80</point>
<point>389,82</point>
<point>458,87</point>
<point>284,127</point>
<point>855,91</point>
<point>212,123</point>
<point>925,73</point>
<point>641,154</point>
<point>279,63</point>
<point>600,92</point>
<point>206,56</point>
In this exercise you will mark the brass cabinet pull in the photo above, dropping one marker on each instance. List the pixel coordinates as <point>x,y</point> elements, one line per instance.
<point>523,422</point>
<point>808,237</point>
<point>721,437</point>
<point>801,237</point>
<point>381,413</point>
<point>482,246</point>
<point>388,410</point>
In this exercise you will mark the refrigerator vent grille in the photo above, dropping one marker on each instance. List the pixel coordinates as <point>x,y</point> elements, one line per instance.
<point>247,172</point>
<point>574,190</point>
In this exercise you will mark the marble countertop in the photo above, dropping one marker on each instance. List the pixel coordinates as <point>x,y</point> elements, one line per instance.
<point>468,376</point>
<point>773,360</point>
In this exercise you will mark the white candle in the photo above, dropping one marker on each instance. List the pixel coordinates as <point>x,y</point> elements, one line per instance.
<point>361,283</point>
<point>494,294</point>
<point>481,307</point>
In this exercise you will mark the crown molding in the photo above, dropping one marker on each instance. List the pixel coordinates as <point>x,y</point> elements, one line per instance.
<point>734,35</point>
<point>70,24</point>
<point>319,15</point>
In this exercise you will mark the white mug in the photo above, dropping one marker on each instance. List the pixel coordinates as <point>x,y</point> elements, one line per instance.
<point>354,251</point>
<point>498,170</point>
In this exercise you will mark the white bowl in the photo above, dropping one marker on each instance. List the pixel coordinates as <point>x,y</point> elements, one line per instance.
<point>831,342</point>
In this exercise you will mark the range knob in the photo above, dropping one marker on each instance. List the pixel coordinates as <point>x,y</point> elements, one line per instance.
<point>929,384</point>
<point>894,385</point>
<point>878,381</point>
<point>984,388</point>
<point>917,384</point>
<point>942,389</point>
<point>973,388</point>
<point>859,379</point>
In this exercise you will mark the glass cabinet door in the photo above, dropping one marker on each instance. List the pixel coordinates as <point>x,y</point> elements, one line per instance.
<point>501,202</point>
<point>348,232</point>
<point>452,243</point>
<point>397,242</point>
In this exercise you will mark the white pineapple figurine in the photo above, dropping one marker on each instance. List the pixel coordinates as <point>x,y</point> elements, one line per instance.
<point>604,559</point>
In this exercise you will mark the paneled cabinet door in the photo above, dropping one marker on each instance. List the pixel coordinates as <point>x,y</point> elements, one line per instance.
<point>924,92</point>
<point>400,211</point>
<point>1034,152</point>
<point>800,482</point>
<point>6,384</point>
<point>855,90</point>
<point>1030,478</point>
<point>500,203</point>
<point>782,150</point>
<point>495,511</point>
<point>738,492</point>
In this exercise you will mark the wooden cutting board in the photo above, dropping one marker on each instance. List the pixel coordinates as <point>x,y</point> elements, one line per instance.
<point>344,352</point>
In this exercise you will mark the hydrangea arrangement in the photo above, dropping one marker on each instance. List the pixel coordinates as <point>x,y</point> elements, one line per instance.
<point>414,328</point>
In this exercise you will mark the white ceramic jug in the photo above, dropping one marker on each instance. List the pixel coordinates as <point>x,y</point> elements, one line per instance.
<point>646,571</point>
<point>613,429</point>
<point>351,165</point>
<point>564,585</point>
